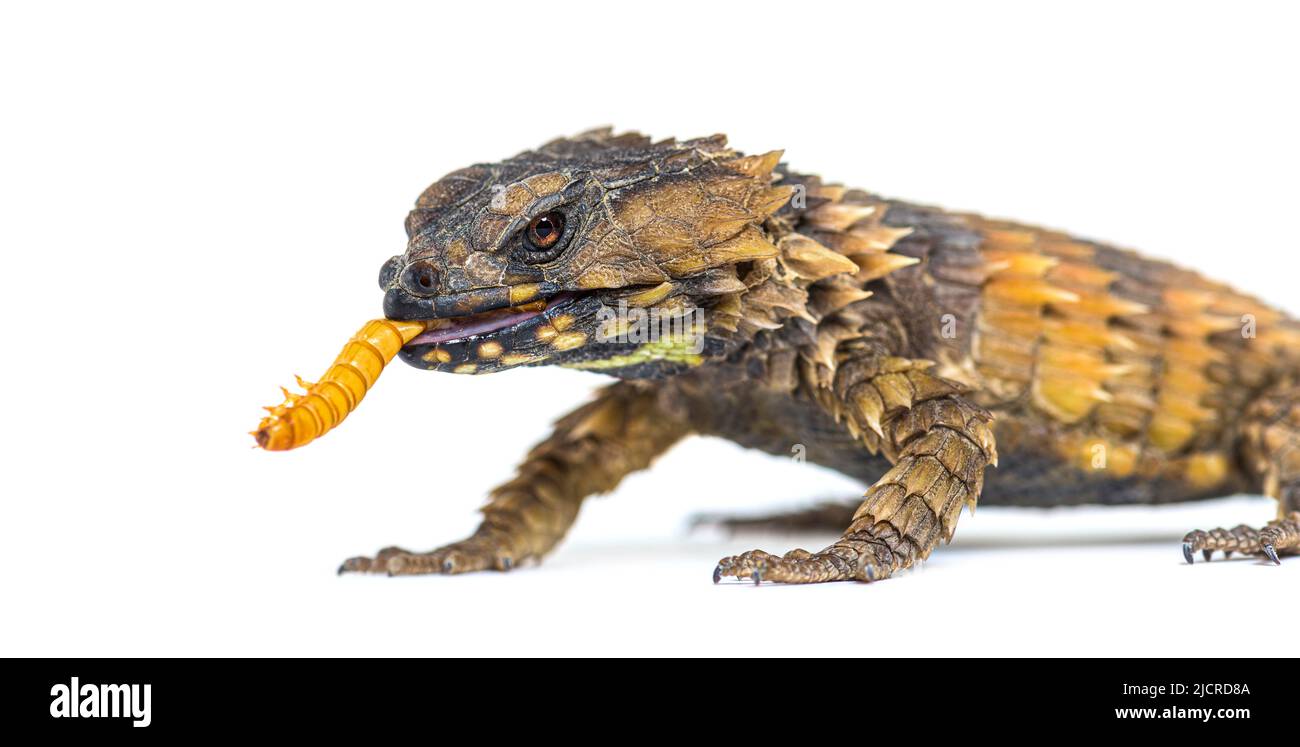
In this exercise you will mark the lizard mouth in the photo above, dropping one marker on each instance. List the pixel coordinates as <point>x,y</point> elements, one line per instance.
<point>457,329</point>
<point>481,332</point>
<point>544,330</point>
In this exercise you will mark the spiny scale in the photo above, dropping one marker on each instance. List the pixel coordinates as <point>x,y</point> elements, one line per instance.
<point>1093,348</point>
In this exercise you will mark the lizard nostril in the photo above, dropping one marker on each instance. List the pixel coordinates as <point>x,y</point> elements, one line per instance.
<point>420,278</point>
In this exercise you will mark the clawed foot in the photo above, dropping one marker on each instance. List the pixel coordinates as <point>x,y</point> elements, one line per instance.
<point>801,567</point>
<point>1280,537</point>
<point>474,554</point>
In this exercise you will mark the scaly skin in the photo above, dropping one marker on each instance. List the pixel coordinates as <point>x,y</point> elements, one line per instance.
<point>902,345</point>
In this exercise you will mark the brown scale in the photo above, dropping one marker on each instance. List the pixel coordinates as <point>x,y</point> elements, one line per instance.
<point>1130,376</point>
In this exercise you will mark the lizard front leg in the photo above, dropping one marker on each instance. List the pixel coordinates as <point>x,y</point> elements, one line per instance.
<point>939,444</point>
<point>591,450</point>
<point>1270,447</point>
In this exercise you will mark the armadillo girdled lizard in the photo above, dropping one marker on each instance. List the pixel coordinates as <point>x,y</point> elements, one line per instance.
<point>942,358</point>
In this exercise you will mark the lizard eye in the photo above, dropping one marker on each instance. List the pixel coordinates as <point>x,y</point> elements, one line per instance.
<point>544,232</point>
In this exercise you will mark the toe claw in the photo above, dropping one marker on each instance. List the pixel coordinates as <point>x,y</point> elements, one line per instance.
<point>1207,554</point>
<point>717,573</point>
<point>355,565</point>
<point>1187,553</point>
<point>1272,554</point>
<point>757,576</point>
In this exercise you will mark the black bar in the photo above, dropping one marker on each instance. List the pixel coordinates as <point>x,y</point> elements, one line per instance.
<point>213,697</point>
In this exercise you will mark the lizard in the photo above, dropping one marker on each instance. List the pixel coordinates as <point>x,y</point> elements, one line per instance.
<point>941,358</point>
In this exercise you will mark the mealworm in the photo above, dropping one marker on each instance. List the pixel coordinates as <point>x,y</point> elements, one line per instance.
<point>305,417</point>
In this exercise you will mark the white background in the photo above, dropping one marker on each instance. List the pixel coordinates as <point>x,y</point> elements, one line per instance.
<point>196,203</point>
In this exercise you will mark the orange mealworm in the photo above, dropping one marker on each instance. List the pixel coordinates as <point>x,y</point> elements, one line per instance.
<point>307,416</point>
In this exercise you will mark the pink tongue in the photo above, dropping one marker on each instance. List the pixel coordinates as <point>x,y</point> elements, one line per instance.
<point>470,326</point>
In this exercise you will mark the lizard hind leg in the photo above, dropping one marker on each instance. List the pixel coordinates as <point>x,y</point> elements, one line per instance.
<point>1277,538</point>
<point>1270,447</point>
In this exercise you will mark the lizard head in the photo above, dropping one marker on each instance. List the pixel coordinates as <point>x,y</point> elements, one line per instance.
<point>601,251</point>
